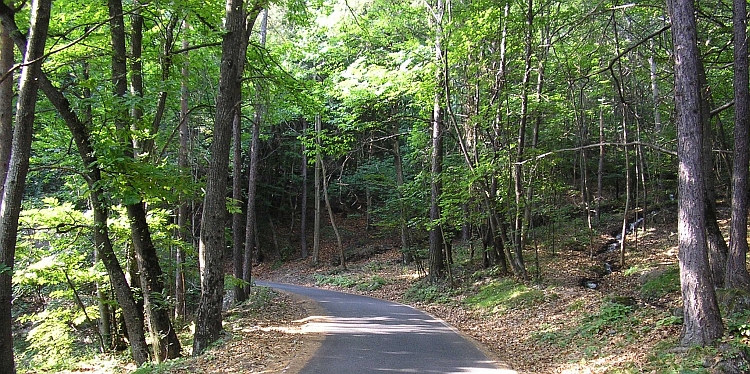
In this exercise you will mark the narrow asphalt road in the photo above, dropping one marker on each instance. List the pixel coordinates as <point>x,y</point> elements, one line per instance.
<point>365,335</point>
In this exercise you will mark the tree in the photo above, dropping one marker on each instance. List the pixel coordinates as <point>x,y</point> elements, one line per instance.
<point>437,259</point>
<point>6,102</point>
<point>736,275</point>
<point>163,336</point>
<point>702,321</point>
<point>15,181</point>
<point>212,243</point>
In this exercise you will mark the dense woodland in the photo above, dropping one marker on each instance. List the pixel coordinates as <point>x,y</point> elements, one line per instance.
<point>153,151</point>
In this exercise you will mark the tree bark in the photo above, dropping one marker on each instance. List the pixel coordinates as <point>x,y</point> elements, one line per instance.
<point>15,180</point>
<point>252,178</point>
<point>736,275</point>
<point>212,244</point>
<point>238,219</point>
<point>316,228</point>
<point>436,255</point>
<point>165,343</point>
<point>702,321</point>
<point>81,136</point>
<point>7,60</point>
<point>183,211</point>
<point>303,198</point>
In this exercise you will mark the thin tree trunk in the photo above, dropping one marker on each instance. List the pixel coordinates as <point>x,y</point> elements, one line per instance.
<point>7,60</point>
<point>623,231</point>
<point>436,255</point>
<point>518,227</point>
<point>183,212</point>
<point>303,198</point>
<point>252,179</point>
<point>104,323</point>
<point>702,320</point>
<point>600,171</point>
<point>15,180</point>
<point>316,229</point>
<point>736,275</point>
<point>238,219</point>
<point>339,245</point>
<point>399,168</point>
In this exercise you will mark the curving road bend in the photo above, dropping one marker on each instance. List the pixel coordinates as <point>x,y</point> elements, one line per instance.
<point>365,335</point>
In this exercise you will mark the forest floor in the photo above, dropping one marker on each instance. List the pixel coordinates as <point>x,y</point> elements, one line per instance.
<point>572,316</point>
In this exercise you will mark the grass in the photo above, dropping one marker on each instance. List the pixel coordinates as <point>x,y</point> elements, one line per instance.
<point>662,284</point>
<point>505,294</point>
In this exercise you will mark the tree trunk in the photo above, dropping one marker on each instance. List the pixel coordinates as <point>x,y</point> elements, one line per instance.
<point>183,212</point>
<point>252,178</point>
<point>702,321</point>
<point>80,133</point>
<point>736,275</point>
<point>303,198</point>
<point>15,180</point>
<point>399,168</point>
<point>212,244</point>
<point>518,227</point>
<point>316,229</point>
<point>238,219</point>
<point>6,103</point>
<point>339,245</point>
<point>165,343</point>
<point>436,255</point>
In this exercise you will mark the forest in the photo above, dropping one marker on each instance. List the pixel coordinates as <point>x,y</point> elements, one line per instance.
<point>154,152</point>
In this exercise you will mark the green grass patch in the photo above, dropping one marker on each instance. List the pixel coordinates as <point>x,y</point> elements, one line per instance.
<point>505,294</point>
<point>375,283</point>
<point>335,280</point>
<point>661,284</point>
<point>424,292</point>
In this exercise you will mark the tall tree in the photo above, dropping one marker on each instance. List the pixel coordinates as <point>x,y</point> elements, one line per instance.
<point>436,255</point>
<point>15,181</point>
<point>252,178</point>
<point>183,211</point>
<point>702,324</point>
<point>212,244</point>
<point>736,275</point>
<point>6,102</point>
<point>163,336</point>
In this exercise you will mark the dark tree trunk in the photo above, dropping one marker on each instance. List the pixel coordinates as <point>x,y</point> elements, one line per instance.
<point>303,202</point>
<point>123,294</point>
<point>702,321</point>
<point>15,180</point>
<point>238,219</point>
<point>436,255</point>
<point>252,178</point>
<point>6,103</point>
<point>736,275</point>
<point>183,212</point>
<point>212,244</point>
<point>163,337</point>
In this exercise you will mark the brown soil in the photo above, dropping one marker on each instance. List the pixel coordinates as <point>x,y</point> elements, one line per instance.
<point>268,340</point>
<point>515,335</point>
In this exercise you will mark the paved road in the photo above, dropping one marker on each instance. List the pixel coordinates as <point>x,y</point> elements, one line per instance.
<point>365,335</point>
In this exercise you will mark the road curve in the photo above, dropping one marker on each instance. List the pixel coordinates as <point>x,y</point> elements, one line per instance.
<point>365,335</point>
